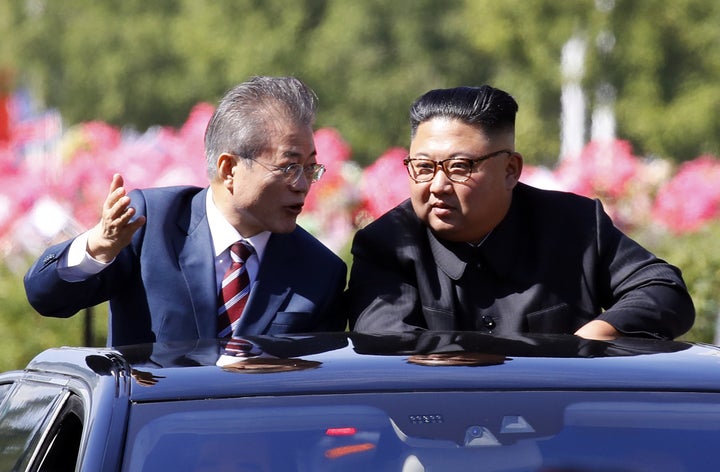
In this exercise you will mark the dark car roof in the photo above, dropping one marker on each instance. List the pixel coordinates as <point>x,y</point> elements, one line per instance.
<point>426,361</point>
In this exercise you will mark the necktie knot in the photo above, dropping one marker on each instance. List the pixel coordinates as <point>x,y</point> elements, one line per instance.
<point>240,251</point>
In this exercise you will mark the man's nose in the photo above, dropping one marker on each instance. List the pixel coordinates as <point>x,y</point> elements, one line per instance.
<point>440,181</point>
<point>302,184</point>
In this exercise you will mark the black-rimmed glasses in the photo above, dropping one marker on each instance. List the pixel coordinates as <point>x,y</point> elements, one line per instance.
<point>457,169</point>
<point>292,172</point>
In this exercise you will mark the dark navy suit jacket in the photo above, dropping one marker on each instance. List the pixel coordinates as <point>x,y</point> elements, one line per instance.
<point>555,262</point>
<point>162,286</point>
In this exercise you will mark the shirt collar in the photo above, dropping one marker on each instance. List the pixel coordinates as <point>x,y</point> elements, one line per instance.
<point>506,247</point>
<point>224,234</point>
<point>447,259</point>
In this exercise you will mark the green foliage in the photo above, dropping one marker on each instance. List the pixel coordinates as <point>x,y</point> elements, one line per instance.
<point>523,42</point>
<point>664,55</point>
<point>138,63</point>
<point>370,60</point>
<point>25,333</point>
<point>698,256</point>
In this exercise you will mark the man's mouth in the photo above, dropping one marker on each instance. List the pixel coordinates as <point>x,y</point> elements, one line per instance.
<point>441,205</point>
<point>297,208</point>
<point>440,208</point>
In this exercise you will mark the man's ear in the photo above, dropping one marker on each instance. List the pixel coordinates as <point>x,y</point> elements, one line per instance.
<point>513,169</point>
<point>226,169</point>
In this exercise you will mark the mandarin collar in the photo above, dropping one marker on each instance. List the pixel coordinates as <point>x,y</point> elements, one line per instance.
<point>447,260</point>
<point>504,247</point>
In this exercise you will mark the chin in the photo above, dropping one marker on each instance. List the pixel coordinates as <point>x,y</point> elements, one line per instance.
<point>441,225</point>
<point>284,228</point>
<point>446,232</point>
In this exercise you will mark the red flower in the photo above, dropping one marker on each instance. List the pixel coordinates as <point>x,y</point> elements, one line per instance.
<point>691,198</point>
<point>601,170</point>
<point>333,152</point>
<point>384,184</point>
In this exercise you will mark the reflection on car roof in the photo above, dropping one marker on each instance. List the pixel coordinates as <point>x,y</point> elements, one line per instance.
<point>353,362</point>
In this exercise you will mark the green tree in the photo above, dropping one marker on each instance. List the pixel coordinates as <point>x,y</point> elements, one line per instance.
<point>371,59</point>
<point>523,42</point>
<point>659,57</point>
<point>138,63</point>
<point>664,65</point>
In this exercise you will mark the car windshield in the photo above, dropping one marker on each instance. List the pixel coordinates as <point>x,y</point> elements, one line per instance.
<point>409,432</point>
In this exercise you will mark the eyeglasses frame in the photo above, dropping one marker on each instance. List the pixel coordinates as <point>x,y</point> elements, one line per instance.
<point>317,169</point>
<point>441,164</point>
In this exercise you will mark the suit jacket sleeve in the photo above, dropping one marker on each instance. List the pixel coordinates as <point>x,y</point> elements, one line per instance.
<point>52,296</point>
<point>646,295</point>
<point>382,291</point>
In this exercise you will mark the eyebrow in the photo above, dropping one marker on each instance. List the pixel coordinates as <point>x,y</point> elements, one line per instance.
<point>455,155</point>
<point>297,155</point>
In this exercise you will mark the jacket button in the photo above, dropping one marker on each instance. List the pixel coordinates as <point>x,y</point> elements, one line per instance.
<point>488,322</point>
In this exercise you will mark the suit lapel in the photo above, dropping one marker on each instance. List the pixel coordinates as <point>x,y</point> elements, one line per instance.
<point>197,263</point>
<point>272,286</point>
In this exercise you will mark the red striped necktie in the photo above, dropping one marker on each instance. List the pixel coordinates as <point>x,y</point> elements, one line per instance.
<point>234,290</point>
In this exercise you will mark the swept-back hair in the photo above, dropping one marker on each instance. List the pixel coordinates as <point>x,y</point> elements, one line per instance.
<point>488,108</point>
<point>246,112</point>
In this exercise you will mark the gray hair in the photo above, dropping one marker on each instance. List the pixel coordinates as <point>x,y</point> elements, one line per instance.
<point>240,122</point>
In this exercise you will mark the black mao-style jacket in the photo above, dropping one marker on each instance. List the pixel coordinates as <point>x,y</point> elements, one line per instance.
<point>555,262</point>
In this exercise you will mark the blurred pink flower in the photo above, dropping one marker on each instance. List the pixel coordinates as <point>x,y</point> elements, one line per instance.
<point>329,204</point>
<point>19,188</point>
<point>691,198</point>
<point>332,149</point>
<point>190,141</point>
<point>73,183</point>
<point>601,170</point>
<point>540,177</point>
<point>333,152</point>
<point>384,183</point>
<point>158,157</point>
<point>99,136</point>
<point>185,163</point>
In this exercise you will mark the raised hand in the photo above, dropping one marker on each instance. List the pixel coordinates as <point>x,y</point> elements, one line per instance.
<point>116,226</point>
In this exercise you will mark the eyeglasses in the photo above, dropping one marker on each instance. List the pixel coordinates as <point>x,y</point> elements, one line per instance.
<point>292,172</point>
<point>457,169</point>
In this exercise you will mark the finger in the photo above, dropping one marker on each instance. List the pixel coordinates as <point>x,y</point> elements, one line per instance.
<point>125,232</point>
<point>113,198</point>
<point>117,208</point>
<point>115,192</point>
<point>117,182</point>
<point>124,216</point>
<point>136,224</point>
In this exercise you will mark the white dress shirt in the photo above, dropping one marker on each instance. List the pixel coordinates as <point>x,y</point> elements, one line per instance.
<point>225,235</point>
<point>76,264</point>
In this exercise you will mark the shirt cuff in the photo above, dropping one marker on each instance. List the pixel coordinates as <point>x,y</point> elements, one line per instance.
<point>76,264</point>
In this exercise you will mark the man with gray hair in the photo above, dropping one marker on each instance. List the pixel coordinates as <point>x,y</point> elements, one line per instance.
<point>185,262</point>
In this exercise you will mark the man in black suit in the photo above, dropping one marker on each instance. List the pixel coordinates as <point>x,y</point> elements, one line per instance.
<point>475,249</point>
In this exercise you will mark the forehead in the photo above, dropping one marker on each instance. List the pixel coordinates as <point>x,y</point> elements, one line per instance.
<point>445,134</point>
<point>290,139</point>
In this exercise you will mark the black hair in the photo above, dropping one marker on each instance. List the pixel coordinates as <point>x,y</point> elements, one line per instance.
<point>491,109</point>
